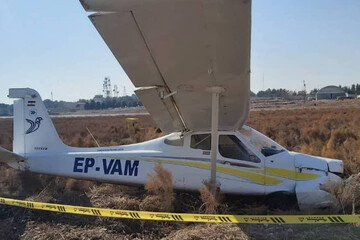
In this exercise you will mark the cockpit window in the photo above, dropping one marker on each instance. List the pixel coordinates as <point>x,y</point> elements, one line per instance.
<point>264,144</point>
<point>201,141</point>
<point>175,139</point>
<point>231,147</point>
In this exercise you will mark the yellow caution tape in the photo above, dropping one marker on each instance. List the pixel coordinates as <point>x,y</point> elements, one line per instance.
<point>182,217</point>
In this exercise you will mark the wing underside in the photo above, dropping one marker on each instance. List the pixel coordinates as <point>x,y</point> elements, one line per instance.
<point>174,51</point>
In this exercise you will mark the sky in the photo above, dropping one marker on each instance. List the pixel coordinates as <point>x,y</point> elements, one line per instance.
<point>52,46</point>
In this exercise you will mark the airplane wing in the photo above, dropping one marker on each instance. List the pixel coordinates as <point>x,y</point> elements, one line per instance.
<point>174,51</point>
<point>7,156</point>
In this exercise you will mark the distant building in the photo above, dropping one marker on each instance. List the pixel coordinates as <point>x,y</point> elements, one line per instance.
<point>80,106</point>
<point>351,95</point>
<point>330,92</point>
<point>99,99</point>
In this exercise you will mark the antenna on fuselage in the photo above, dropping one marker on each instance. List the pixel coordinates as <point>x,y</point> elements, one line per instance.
<point>92,137</point>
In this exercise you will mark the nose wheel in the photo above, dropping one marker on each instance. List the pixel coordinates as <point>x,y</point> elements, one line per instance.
<point>282,201</point>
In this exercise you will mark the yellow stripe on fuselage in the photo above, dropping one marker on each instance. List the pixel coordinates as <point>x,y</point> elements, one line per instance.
<point>290,174</point>
<point>254,177</point>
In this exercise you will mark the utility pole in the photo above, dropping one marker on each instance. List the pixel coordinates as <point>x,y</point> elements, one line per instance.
<point>115,91</point>
<point>107,92</point>
<point>304,91</point>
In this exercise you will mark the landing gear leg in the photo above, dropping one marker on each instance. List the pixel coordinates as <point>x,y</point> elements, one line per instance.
<point>215,91</point>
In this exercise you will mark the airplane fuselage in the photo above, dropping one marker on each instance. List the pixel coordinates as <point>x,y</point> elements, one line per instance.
<point>189,164</point>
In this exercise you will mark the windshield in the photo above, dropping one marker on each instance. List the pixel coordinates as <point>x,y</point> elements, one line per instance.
<point>264,144</point>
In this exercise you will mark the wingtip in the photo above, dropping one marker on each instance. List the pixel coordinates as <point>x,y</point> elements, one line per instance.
<point>85,6</point>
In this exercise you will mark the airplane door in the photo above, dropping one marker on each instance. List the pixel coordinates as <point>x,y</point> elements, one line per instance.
<point>235,157</point>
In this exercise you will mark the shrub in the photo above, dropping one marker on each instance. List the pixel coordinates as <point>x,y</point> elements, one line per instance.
<point>160,190</point>
<point>210,201</point>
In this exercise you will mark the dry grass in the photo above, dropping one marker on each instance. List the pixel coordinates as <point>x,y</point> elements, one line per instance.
<point>209,232</point>
<point>347,194</point>
<point>160,190</point>
<point>49,231</point>
<point>211,201</point>
<point>108,131</point>
<point>6,133</point>
<point>114,196</point>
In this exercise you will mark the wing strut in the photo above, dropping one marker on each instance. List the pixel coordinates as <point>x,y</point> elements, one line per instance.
<point>176,107</point>
<point>215,91</point>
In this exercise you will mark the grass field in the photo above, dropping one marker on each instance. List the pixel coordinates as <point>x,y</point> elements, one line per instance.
<point>325,132</point>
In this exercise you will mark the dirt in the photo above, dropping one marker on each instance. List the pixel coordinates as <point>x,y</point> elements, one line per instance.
<point>276,104</point>
<point>18,223</point>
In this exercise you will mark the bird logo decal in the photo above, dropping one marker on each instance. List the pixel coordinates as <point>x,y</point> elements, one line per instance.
<point>34,125</point>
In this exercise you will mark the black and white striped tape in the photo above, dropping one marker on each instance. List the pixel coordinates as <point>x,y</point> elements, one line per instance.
<point>183,217</point>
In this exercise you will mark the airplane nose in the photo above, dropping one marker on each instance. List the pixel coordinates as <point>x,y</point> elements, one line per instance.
<point>335,165</point>
<point>320,163</point>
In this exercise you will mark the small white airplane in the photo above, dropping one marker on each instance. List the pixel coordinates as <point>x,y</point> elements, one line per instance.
<point>190,60</point>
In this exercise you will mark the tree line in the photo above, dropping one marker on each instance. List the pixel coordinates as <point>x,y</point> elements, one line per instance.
<point>284,93</point>
<point>133,101</point>
<point>5,109</point>
<point>119,102</point>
